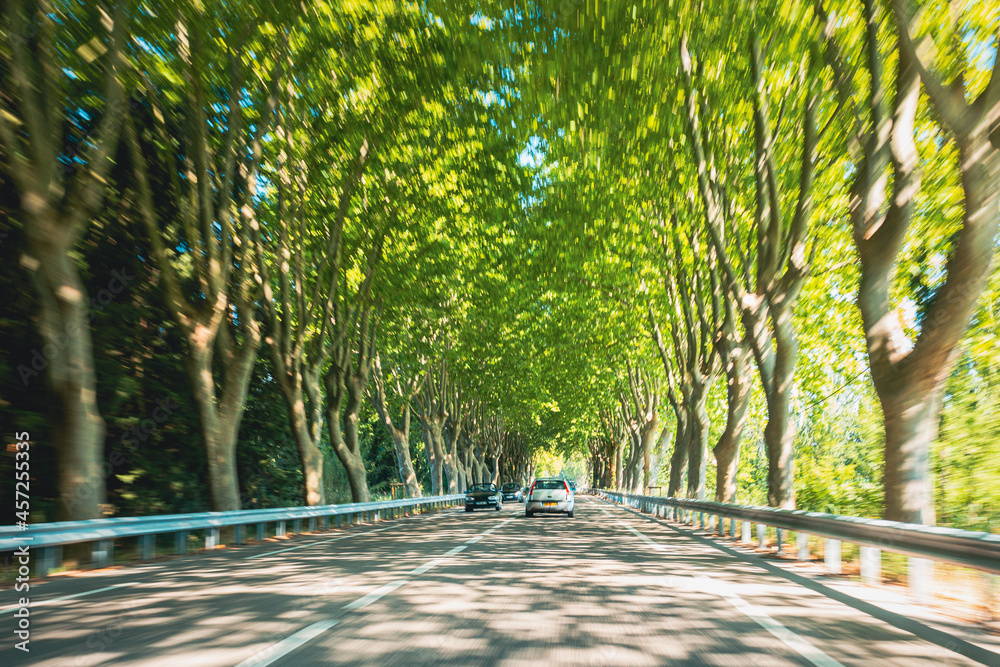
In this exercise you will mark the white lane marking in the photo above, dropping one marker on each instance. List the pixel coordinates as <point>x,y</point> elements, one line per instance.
<point>376,594</point>
<point>795,642</point>
<point>487,532</point>
<point>315,542</point>
<point>427,567</point>
<point>288,644</point>
<point>658,547</point>
<point>7,610</point>
<point>801,645</point>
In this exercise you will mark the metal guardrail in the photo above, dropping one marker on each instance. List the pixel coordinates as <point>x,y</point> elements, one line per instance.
<point>922,544</point>
<point>51,537</point>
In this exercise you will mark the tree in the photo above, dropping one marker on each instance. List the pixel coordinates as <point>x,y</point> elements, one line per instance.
<point>767,284</point>
<point>210,169</point>
<point>59,154</point>
<point>910,375</point>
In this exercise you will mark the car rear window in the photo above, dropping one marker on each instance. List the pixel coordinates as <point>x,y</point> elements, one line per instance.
<point>550,484</point>
<point>509,487</point>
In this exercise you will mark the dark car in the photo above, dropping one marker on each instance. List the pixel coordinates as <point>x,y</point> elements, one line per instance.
<point>483,495</point>
<point>512,492</point>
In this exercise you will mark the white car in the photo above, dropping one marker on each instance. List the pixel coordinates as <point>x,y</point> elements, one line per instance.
<point>549,496</point>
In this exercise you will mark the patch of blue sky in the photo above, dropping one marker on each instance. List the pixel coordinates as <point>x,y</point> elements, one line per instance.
<point>484,22</point>
<point>490,97</point>
<point>533,154</point>
<point>982,52</point>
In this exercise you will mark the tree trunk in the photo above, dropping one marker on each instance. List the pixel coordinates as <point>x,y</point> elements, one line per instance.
<point>698,426</point>
<point>619,479</point>
<point>450,463</point>
<point>648,435</point>
<point>779,433</point>
<point>912,416</point>
<point>220,416</point>
<point>404,462</point>
<point>434,427</point>
<point>433,462</point>
<point>345,440</point>
<point>678,460</point>
<point>727,450</point>
<point>305,433</point>
<point>68,361</point>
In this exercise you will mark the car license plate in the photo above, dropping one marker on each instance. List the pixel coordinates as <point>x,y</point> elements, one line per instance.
<point>548,504</point>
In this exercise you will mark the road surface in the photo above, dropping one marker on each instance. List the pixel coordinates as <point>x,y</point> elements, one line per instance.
<point>607,587</point>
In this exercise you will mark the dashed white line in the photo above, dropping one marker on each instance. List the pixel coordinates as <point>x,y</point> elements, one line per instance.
<point>376,594</point>
<point>427,567</point>
<point>67,597</point>
<point>292,642</point>
<point>288,644</point>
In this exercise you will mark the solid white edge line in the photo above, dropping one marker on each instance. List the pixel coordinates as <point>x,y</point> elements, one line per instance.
<point>65,597</point>
<point>455,551</point>
<point>288,644</point>
<point>797,643</point>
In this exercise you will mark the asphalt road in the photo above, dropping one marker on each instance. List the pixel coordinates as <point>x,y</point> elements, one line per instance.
<point>450,588</point>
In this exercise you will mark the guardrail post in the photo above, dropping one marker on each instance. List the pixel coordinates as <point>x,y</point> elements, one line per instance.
<point>761,535</point>
<point>326,522</point>
<point>312,524</point>
<point>802,550</point>
<point>920,579</point>
<point>296,526</point>
<point>831,556</point>
<point>147,547</point>
<point>746,532</point>
<point>50,560</point>
<point>781,546</point>
<point>238,534</point>
<point>102,553</point>
<point>280,531</point>
<point>180,542</point>
<point>377,516</point>
<point>261,531</point>
<point>211,538</point>
<point>871,565</point>
<point>338,521</point>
